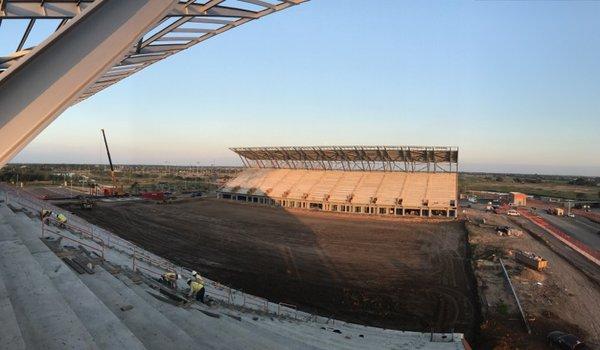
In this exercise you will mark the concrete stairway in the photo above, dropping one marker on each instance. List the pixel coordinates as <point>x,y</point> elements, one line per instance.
<point>45,319</point>
<point>45,304</point>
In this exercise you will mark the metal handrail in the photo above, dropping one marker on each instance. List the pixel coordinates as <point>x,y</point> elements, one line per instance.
<point>223,291</point>
<point>101,250</point>
<point>33,204</point>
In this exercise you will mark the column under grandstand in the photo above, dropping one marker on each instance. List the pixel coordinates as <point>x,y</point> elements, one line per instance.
<point>381,180</point>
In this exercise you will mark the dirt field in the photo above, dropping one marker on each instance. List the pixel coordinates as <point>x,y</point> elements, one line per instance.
<point>54,192</point>
<point>393,273</point>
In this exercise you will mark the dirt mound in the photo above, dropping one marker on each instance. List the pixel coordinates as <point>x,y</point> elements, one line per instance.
<point>532,275</point>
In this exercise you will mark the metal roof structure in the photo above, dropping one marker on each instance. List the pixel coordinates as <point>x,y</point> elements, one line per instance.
<point>360,158</point>
<point>64,51</point>
<point>188,23</point>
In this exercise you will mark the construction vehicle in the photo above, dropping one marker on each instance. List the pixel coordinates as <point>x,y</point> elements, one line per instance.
<point>556,211</point>
<point>86,204</point>
<point>531,260</point>
<point>116,190</point>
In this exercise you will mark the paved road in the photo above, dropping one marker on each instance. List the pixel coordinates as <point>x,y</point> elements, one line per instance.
<point>574,258</point>
<point>578,227</point>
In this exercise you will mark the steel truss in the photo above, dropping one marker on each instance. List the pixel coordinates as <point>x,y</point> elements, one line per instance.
<point>353,158</point>
<point>188,23</point>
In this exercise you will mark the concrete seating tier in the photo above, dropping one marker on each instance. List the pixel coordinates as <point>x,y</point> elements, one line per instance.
<point>46,304</point>
<point>417,190</point>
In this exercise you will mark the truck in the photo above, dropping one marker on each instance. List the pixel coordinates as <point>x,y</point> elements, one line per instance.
<point>531,260</point>
<point>512,212</point>
<point>556,211</point>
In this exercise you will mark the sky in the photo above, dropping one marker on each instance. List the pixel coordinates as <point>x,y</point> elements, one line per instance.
<point>514,84</point>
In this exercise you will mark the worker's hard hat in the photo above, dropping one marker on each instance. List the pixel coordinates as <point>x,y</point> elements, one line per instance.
<point>194,273</point>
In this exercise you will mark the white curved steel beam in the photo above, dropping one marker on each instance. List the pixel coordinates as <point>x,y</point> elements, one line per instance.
<point>40,86</point>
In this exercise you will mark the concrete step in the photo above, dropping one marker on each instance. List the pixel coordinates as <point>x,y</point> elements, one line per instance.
<point>153,329</point>
<point>220,333</point>
<point>45,319</point>
<point>306,334</point>
<point>10,336</point>
<point>106,329</point>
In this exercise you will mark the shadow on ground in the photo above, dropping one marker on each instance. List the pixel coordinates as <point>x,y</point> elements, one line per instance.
<point>391,273</point>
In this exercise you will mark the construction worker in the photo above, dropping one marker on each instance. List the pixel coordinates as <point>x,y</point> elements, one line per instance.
<point>170,279</point>
<point>61,218</point>
<point>196,276</point>
<point>196,290</point>
<point>46,214</point>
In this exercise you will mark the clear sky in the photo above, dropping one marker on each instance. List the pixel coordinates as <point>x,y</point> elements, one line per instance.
<point>514,84</point>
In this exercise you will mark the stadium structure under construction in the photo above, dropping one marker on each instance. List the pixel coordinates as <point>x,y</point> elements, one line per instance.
<point>379,180</point>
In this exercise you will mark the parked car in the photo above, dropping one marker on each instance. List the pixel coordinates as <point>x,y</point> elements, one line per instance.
<point>565,341</point>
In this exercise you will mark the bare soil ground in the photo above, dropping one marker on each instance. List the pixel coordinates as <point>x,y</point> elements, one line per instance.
<point>394,273</point>
<point>564,297</point>
<point>54,192</point>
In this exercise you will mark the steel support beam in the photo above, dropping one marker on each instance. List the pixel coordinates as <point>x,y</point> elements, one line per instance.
<point>38,88</point>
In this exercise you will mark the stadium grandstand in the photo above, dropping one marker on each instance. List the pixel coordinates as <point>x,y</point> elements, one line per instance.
<point>381,180</point>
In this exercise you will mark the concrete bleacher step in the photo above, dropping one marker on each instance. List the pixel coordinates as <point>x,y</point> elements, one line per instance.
<point>310,336</point>
<point>45,319</point>
<point>106,329</point>
<point>10,335</point>
<point>153,329</point>
<point>193,323</point>
<point>218,333</point>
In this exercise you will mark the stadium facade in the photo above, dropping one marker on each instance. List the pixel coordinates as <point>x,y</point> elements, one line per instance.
<point>376,180</point>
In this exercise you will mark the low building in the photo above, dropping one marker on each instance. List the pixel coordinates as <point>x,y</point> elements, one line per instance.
<point>518,199</point>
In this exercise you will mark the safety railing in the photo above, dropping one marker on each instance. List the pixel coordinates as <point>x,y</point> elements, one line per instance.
<point>139,257</point>
<point>138,267</point>
<point>255,302</point>
<point>100,249</point>
<point>283,306</point>
<point>112,241</point>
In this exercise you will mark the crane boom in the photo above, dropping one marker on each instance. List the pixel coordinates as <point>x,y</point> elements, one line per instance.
<point>112,169</point>
<point>107,151</point>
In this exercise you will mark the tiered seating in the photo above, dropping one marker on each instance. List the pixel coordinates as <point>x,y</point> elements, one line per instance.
<point>272,178</point>
<point>390,188</point>
<point>320,191</point>
<point>236,184</point>
<point>45,304</point>
<point>415,189</point>
<point>345,187</point>
<point>367,188</point>
<point>287,183</point>
<point>303,187</point>
<point>442,189</point>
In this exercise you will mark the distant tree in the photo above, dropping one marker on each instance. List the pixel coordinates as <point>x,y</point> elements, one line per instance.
<point>582,181</point>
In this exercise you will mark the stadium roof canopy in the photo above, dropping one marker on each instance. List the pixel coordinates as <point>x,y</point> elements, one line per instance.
<point>360,158</point>
<point>187,23</point>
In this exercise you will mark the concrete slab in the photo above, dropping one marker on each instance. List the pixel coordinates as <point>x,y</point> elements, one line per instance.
<point>10,336</point>
<point>153,329</point>
<point>44,317</point>
<point>106,329</point>
<point>217,333</point>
